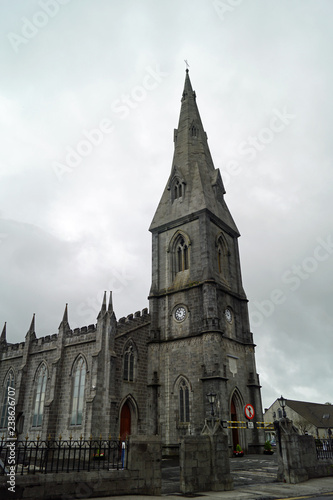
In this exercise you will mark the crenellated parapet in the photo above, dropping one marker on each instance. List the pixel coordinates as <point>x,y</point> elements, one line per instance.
<point>12,351</point>
<point>83,330</point>
<point>132,322</point>
<point>49,342</point>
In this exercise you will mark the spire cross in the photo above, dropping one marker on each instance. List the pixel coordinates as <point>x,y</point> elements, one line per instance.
<point>187,64</point>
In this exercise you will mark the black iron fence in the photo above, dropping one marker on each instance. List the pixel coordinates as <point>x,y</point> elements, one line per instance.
<point>29,457</point>
<point>324,448</point>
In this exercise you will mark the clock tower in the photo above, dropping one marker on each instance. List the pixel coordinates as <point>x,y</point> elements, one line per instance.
<point>200,339</point>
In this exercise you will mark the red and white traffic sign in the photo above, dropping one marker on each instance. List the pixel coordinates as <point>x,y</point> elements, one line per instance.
<point>249,411</point>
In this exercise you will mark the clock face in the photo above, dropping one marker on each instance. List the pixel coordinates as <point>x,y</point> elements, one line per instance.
<point>180,313</point>
<point>228,315</point>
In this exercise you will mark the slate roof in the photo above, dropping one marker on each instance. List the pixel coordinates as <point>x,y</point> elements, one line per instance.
<point>319,415</point>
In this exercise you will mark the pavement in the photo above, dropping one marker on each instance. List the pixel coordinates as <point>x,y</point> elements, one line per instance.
<point>254,479</point>
<point>268,491</point>
<point>275,491</point>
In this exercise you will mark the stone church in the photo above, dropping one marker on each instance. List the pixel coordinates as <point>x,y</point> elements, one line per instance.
<point>151,372</point>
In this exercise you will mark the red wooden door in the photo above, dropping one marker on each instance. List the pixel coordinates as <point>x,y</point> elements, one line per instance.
<point>125,421</point>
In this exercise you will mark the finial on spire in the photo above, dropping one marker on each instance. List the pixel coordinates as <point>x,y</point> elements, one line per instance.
<point>3,334</point>
<point>64,323</point>
<point>32,325</point>
<point>31,332</point>
<point>104,302</point>
<point>187,65</point>
<point>103,308</point>
<point>110,308</point>
<point>65,317</point>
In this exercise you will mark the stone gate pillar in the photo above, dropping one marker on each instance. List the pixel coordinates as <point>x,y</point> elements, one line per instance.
<point>297,455</point>
<point>204,462</point>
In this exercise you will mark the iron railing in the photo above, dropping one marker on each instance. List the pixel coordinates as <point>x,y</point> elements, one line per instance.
<point>38,456</point>
<point>324,448</point>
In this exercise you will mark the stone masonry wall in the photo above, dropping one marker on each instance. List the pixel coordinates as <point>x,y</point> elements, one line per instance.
<point>143,477</point>
<point>105,390</point>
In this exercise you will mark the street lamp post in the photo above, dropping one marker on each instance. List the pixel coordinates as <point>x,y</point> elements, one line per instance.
<point>282,403</point>
<point>211,399</point>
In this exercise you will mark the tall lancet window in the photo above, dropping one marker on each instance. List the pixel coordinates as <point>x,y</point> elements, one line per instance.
<point>181,255</point>
<point>177,190</point>
<point>129,364</point>
<point>41,379</point>
<point>184,402</point>
<point>78,386</point>
<point>194,131</point>
<point>222,257</point>
<point>8,384</point>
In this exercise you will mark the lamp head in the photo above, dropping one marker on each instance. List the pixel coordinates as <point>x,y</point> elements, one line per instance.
<point>211,397</point>
<point>282,402</point>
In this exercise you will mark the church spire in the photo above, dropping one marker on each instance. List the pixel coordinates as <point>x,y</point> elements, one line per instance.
<point>190,137</point>
<point>194,184</point>
<point>188,86</point>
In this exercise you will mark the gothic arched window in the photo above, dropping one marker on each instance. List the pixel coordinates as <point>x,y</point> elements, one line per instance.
<point>78,386</point>
<point>182,260</point>
<point>9,383</point>
<point>184,402</point>
<point>222,257</point>
<point>41,379</point>
<point>128,373</point>
<point>194,131</point>
<point>178,190</point>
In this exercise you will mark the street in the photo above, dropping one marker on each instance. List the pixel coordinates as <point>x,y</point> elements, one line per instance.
<point>253,469</point>
<point>248,470</point>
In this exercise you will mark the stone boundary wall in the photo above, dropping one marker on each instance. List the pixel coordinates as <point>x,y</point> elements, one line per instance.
<point>297,455</point>
<point>204,464</point>
<point>143,477</point>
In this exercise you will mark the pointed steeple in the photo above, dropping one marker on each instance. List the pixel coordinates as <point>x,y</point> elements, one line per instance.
<point>64,323</point>
<point>3,339</point>
<point>190,137</point>
<point>103,308</point>
<point>110,307</point>
<point>31,332</point>
<point>194,183</point>
<point>32,324</point>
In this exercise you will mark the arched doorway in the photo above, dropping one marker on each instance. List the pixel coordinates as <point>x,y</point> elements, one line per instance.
<point>235,433</point>
<point>125,421</point>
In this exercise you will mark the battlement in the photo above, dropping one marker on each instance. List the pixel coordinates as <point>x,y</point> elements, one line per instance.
<point>48,341</point>
<point>83,334</point>
<point>133,321</point>
<point>12,350</point>
<point>83,330</point>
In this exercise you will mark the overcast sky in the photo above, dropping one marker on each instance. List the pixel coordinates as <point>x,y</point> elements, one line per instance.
<point>89,97</point>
